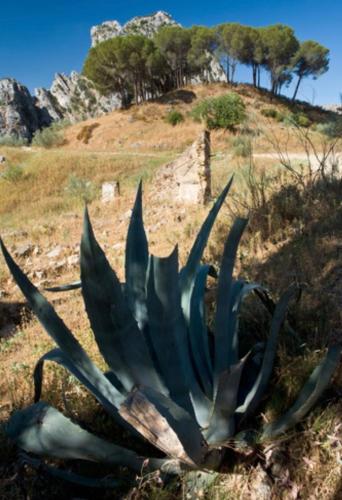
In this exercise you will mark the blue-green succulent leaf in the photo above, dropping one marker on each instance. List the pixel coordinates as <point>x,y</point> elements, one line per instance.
<point>198,332</point>
<point>75,285</point>
<point>136,262</point>
<point>254,396</point>
<point>120,341</point>
<point>44,431</point>
<point>225,335</point>
<point>59,357</point>
<point>188,273</point>
<point>309,395</point>
<point>168,336</point>
<point>222,422</point>
<point>56,328</point>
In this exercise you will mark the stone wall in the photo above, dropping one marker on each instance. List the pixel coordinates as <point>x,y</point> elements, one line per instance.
<point>188,178</point>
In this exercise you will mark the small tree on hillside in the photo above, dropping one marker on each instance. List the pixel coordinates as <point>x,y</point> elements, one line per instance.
<point>280,46</point>
<point>311,59</point>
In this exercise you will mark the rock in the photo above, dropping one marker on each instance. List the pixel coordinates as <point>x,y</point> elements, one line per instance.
<point>74,98</point>
<point>142,25</point>
<point>19,117</point>
<point>73,260</point>
<point>23,250</point>
<point>54,253</point>
<point>188,178</point>
<point>110,191</point>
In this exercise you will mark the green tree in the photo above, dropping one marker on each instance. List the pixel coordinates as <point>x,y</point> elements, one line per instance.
<point>280,45</point>
<point>229,42</point>
<point>203,46</point>
<point>174,43</point>
<point>311,59</point>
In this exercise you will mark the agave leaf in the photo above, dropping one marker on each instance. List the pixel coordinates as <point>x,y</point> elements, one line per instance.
<point>116,332</point>
<point>44,431</point>
<point>257,391</point>
<point>198,332</point>
<point>71,477</point>
<point>188,273</point>
<point>59,357</point>
<point>222,422</point>
<point>65,288</point>
<point>240,290</point>
<point>224,334</point>
<point>168,336</point>
<point>311,392</point>
<point>136,262</point>
<point>61,334</point>
<point>165,424</point>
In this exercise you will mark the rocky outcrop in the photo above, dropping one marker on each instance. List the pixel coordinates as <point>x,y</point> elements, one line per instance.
<point>141,25</point>
<point>19,116</point>
<point>75,98</point>
<point>188,178</point>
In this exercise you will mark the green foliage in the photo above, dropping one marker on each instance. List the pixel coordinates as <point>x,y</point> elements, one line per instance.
<point>86,132</point>
<point>242,146</point>
<point>174,117</point>
<point>12,173</point>
<point>12,141</point>
<point>51,136</point>
<point>298,119</point>
<point>184,390</point>
<point>311,59</point>
<point>331,129</point>
<point>269,112</point>
<point>81,189</point>
<point>226,111</point>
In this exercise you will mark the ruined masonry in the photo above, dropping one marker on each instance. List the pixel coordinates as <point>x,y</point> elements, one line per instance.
<point>188,178</point>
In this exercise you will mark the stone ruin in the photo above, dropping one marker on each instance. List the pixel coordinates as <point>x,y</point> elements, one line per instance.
<point>188,178</point>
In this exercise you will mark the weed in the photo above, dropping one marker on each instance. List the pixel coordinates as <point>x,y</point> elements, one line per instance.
<point>86,132</point>
<point>81,188</point>
<point>174,117</point>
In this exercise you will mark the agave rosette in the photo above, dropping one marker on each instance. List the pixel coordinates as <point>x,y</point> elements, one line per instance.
<point>168,380</point>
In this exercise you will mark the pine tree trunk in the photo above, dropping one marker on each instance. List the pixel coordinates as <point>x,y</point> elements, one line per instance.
<point>296,89</point>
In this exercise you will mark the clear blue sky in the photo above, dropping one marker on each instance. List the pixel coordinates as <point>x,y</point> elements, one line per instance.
<point>39,38</point>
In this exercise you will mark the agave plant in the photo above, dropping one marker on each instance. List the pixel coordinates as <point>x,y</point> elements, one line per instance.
<point>170,380</point>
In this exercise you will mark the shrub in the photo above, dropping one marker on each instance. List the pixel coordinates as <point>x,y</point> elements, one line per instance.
<point>86,132</point>
<point>13,141</point>
<point>51,136</point>
<point>81,189</point>
<point>226,111</point>
<point>298,119</point>
<point>185,390</point>
<point>332,129</point>
<point>269,112</point>
<point>242,146</point>
<point>13,173</point>
<point>174,117</point>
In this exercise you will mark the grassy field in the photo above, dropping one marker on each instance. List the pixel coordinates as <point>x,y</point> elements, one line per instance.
<point>294,234</point>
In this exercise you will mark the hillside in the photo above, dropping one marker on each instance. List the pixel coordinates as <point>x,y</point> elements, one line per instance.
<point>294,234</point>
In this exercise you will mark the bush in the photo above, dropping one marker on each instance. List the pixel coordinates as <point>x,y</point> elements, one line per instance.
<point>242,146</point>
<point>86,132</point>
<point>12,141</point>
<point>174,117</point>
<point>13,173</point>
<point>81,189</point>
<point>226,111</point>
<point>51,136</point>
<point>269,112</point>
<point>298,119</point>
<point>331,129</point>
